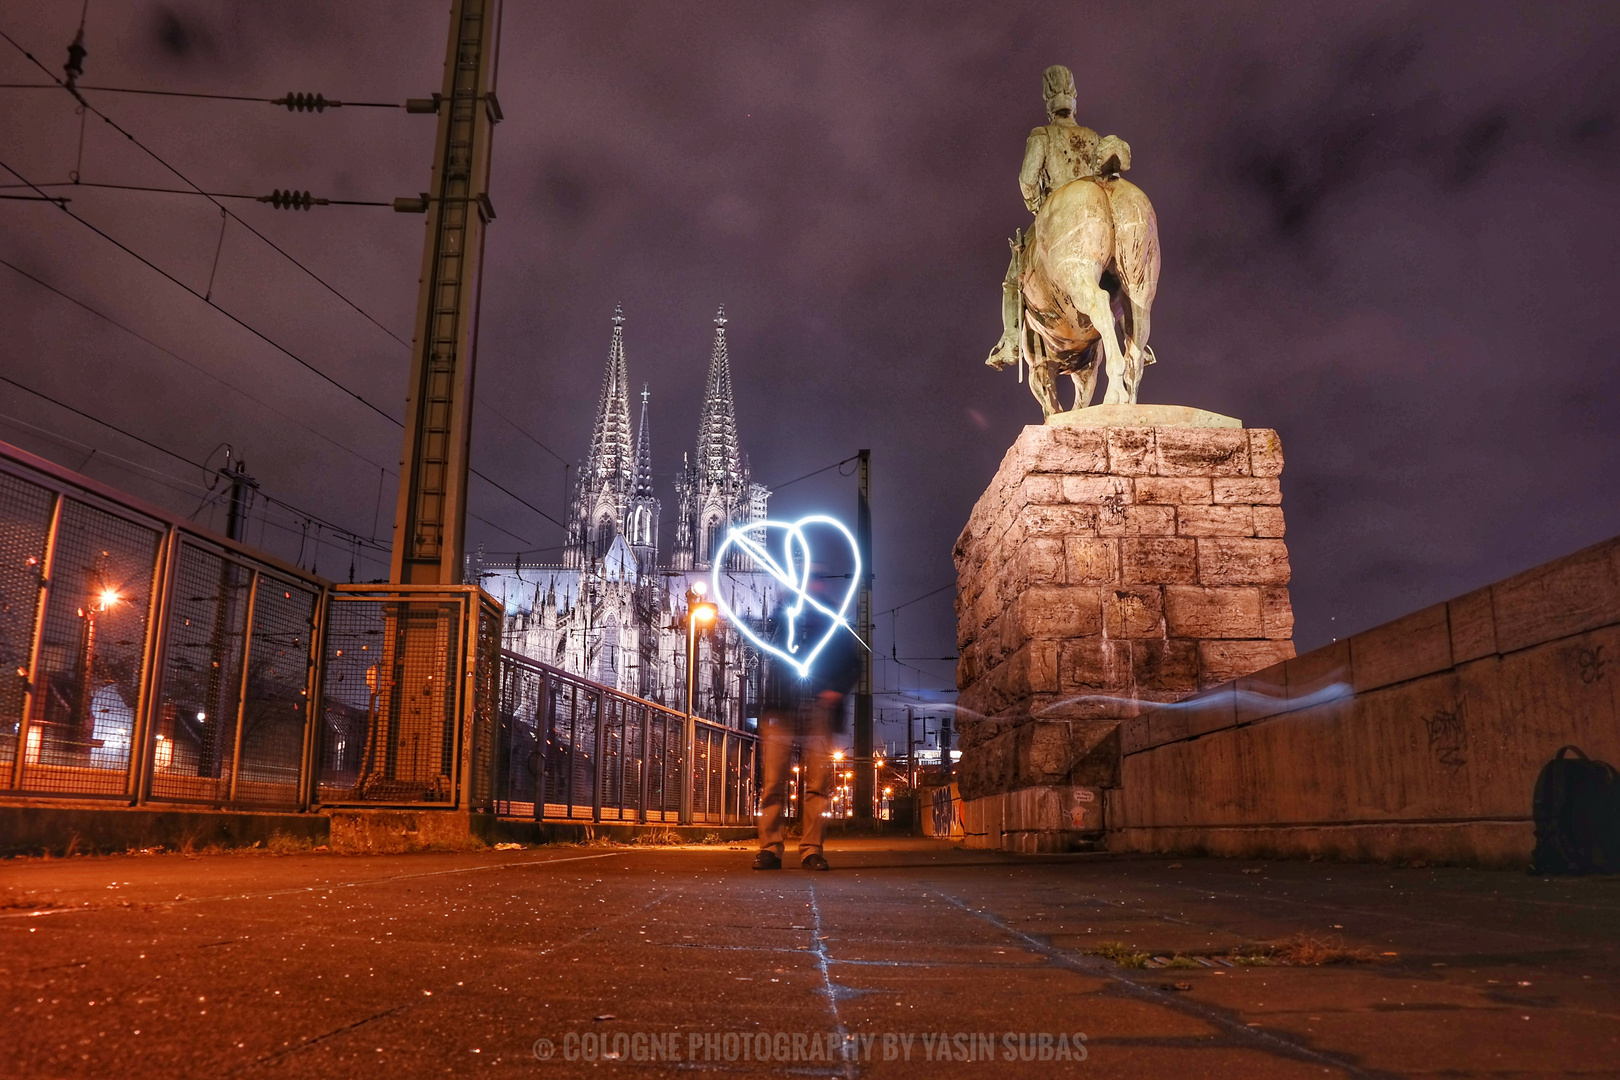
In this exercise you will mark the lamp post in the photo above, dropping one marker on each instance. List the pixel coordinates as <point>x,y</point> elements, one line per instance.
<point>698,611</point>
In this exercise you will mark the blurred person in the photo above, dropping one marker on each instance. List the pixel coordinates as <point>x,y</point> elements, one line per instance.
<point>806,710</point>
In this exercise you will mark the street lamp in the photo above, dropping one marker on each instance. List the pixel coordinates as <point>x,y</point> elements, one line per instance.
<point>699,612</point>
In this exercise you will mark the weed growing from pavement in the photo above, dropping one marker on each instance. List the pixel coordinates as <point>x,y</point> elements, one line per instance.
<point>1121,954</point>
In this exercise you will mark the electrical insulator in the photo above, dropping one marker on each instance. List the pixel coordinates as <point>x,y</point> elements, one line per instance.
<point>306,102</point>
<point>292,200</point>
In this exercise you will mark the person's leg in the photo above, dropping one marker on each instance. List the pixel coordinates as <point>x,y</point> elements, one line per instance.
<point>776,756</point>
<point>817,766</point>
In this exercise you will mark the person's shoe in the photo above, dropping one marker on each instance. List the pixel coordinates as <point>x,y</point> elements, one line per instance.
<point>815,861</point>
<point>767,860</point>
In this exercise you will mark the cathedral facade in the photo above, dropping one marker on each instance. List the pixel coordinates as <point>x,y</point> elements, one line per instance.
<point>613,608</point>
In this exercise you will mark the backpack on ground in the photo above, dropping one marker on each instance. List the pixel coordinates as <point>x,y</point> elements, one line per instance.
<point>1577,813</point>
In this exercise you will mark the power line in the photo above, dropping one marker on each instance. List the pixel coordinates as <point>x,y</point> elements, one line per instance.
<point>256,333</point>
<point>206,194</point>
<point>314,518</point>
<point>223,209</point>
<point>328,103</point>
<point>924,596</point>
<point>814,472</point>
<point>195,367</point>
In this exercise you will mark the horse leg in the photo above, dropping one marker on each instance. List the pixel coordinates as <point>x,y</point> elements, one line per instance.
<point>1044,387</point>
<point>1092,300</point>
<point>1141,324</point>
<point>1085,380</point>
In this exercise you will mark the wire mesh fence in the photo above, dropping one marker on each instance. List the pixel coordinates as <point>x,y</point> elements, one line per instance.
<point>151,662</point>
<point>573,749</point>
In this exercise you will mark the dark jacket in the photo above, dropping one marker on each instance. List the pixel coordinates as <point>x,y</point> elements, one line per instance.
<point>837,667</point>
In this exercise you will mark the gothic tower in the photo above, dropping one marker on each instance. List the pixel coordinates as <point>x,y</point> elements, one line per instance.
<point>603,490</point>
<point>714,490</point>
<point>641,526</point>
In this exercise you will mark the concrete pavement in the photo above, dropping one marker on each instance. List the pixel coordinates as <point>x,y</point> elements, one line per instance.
<point>316,965</point>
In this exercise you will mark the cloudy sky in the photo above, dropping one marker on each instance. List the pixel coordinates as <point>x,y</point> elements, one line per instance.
<point>1388,230</point>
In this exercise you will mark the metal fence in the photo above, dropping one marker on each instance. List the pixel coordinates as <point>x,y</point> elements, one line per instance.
<point>147,661</point>
<point>574,749</point>
<point>402,665</point>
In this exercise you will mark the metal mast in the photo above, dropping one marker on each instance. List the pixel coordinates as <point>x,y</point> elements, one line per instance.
<point>865,774</point>
<point>431,521</point>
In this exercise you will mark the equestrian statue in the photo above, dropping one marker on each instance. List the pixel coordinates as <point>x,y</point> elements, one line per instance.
<point>1081,284</point>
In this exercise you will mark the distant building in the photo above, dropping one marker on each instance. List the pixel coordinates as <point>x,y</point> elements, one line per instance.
<point>610,609</point>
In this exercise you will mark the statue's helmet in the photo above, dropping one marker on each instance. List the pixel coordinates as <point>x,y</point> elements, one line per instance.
<point>1057,87</point>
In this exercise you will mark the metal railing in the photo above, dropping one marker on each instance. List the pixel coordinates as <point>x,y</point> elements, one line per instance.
<point>145,659</point>
<point>149,661</point>
<point>569,748</point>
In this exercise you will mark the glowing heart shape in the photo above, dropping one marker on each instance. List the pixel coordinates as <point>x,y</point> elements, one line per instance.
<point>792,572</point>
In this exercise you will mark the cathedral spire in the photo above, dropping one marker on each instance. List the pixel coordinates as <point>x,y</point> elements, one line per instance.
<point>610,461</point>
<point>643,482</point>
<point>719,455</point>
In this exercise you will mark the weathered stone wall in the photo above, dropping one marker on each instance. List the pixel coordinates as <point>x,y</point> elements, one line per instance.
<point>1418,739</point>
<point>1104,568</point>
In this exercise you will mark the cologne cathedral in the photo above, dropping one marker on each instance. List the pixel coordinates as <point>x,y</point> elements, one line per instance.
<point>613,610</point>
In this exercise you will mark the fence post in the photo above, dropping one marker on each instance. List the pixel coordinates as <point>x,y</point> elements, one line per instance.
<point>157,621</point>
<point>646,762</point>
<point>600,764</point>
<point>241,694</point>
<point>542,743</point>
<point>32,692</point>
<point>314,707</point>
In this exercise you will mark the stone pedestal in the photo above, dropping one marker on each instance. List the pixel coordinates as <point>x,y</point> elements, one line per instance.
<point>1105,569</point>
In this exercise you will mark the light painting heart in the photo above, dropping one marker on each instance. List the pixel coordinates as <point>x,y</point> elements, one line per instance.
<point>792,572</point>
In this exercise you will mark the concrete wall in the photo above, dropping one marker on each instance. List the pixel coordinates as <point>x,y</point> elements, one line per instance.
<point>1418,739</point>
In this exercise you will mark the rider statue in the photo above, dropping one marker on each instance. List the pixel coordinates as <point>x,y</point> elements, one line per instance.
<point>1058,152</point>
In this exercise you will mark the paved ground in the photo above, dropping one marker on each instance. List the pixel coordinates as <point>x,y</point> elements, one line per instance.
<point>426,965</point>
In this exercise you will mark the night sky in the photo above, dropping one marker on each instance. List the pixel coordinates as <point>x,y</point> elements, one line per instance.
<point>1388,232</point>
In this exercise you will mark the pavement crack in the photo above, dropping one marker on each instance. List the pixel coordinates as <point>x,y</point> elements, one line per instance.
<point>823,961</point>
<point>1240,1033</point>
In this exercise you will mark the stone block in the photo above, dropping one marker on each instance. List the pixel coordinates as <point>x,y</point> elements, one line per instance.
<point>1414,645</point>
<point>1265,452</point>
<point>1158,560</point>
<point>1037,562</point>
<point>1092,666</point>
<point>1254,491</point>
<point>1276,613</point>
<point>1574,594</point>
<point>1092,561</point>
<point>1104,490</point>
<point>1142,521</point>
<point>1056,611</point>
<point>1239,561</point>
<point>1130,451</point>
<point>1133,611</point>
<point>1200,452</point>
<point>1041,522</point>
<point>1070,450</point>
<point>1209,711</point>
<point>1319,675</point>
<point>1173,490</point>
<point>1473,626</point>
<point>1222,661</point>
<point>1193,611</point>
<point>1268,521</point>
<point>1215,520</point>
<point>1261,694</point>
<point>1040,489</point>
<point>1164,664</point>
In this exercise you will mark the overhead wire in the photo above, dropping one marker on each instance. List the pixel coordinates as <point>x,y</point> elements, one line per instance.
<point>331,104</point>
<point>188,191</point>
<point>187,180</point>
<point>299,511</point>
<point>208,300</point>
